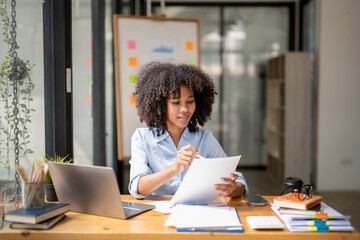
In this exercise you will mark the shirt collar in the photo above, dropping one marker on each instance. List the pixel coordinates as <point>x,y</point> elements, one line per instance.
<point>186,134</point>
<point>161,137</point>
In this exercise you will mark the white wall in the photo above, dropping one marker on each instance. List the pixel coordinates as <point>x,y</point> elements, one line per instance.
<point>338,52</point>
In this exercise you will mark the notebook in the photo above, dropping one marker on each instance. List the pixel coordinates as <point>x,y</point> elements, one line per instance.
<point>36,215</point>
<point>44,225</point>
<point>93,190</point>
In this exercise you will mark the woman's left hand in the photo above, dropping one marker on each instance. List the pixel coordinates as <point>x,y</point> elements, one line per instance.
<point>230,188</point>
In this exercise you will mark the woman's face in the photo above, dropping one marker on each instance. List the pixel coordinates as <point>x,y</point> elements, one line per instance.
<point>180,109</point>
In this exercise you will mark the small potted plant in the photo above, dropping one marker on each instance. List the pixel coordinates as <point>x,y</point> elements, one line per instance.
<point>49,187</point>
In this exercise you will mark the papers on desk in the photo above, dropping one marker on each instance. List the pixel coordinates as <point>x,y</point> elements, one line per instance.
<point>330,220</point>
<point>162,206</point>
<point>166,206</point>
<point>204,218</point>
<point>199,180</point>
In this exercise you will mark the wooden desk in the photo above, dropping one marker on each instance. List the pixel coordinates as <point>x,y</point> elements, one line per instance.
<point>150,225</point>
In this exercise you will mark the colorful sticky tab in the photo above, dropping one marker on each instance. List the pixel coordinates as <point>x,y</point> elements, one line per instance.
<point>133,61</point>
<point>132,78</point>
<point>132,99</point>
<point>319,223</point>
<point>321,216</point>
<point>323,229</point>
<point>189,45</point>
<point>132,44</point>
<point>88,61</point>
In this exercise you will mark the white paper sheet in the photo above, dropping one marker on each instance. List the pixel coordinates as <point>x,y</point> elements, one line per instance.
<point>203,173</point>
<point>162,206</point>
<point>185,216</point>
<point>166,206</point>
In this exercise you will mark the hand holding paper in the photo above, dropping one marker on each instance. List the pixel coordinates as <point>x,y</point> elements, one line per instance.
<point>230,188</point>
<point>198,183</point>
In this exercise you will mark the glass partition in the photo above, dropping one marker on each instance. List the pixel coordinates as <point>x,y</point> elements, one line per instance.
<point>30,41</point>
<point>235,43</point>
<point>82,82</point>
<point>251,36</point>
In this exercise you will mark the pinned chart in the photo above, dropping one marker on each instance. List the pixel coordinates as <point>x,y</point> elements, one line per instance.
<point>139,40</point>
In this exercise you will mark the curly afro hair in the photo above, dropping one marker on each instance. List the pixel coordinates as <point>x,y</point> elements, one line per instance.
<point>157,80</point>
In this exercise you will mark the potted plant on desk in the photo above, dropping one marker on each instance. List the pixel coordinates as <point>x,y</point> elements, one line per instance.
<point>49,186</point>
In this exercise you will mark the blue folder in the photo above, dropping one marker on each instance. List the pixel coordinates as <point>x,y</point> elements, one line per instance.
<point>219,230</point>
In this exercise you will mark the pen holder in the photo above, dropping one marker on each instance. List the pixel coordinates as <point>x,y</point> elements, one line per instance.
<point>33,194</point>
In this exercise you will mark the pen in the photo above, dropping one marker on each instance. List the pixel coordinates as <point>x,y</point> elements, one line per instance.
<point>218,228</point>
<point>196,203</point>
<point>199,156</point>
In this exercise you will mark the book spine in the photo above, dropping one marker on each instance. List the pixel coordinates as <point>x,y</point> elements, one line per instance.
<point>289,205</point>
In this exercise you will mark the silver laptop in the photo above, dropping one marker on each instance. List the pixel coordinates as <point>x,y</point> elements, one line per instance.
<point>93,190</point>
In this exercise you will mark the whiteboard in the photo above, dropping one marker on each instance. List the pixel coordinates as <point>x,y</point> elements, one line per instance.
<point>137,41</point>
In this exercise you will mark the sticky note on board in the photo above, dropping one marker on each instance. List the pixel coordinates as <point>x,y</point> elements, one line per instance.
<point>88,78</point>
<point>189,45</point>
<point>132,78</point>
<point>89,45</point>
<point>87,100</point>
<point>88,61</point>
<point>132,99</point>
<point>190,60</point>
<point>132,44</point>
<point>133,61</point>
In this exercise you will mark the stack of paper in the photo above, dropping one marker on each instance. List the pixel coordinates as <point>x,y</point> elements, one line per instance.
<point>204,218</point>
<point>326,221</point>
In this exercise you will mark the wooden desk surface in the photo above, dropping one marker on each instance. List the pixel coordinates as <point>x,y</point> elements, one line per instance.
<point>150,225</point>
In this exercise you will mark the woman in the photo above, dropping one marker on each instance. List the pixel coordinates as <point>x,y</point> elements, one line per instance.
<point>173,101</point>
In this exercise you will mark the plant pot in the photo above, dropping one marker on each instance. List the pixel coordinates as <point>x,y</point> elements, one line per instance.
<point>50,193</point>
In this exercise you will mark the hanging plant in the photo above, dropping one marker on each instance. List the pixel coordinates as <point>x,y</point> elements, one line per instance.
<point>15,83</point>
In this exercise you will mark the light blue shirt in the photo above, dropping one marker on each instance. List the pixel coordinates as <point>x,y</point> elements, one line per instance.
<point>151,153</point>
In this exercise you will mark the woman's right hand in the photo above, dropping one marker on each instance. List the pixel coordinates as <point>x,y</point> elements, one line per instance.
<point>184,158</point>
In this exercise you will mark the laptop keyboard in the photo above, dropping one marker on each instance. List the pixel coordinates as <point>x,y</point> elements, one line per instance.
<point>130,205</point>
<point>131,208</point>
<point>130,212</point>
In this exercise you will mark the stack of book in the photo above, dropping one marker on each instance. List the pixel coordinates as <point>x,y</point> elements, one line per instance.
<point>37,218</point>
<point>310,214</point>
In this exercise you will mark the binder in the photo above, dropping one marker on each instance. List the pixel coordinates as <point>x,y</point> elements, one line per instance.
<point>321,229</point>
<point>329,220</point>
